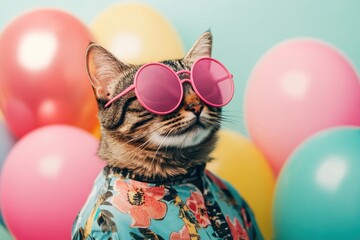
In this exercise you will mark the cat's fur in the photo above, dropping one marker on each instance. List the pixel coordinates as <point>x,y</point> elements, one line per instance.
<point>151,145</point>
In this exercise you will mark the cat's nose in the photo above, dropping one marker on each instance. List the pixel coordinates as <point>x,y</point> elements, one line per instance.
<point>196,108</point>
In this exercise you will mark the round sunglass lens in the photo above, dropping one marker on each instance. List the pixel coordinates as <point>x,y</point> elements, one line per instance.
<point>213,82</point>
<point>158,88</point>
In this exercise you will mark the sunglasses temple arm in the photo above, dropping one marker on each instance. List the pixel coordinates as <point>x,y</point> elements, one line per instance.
<point>130,88</point>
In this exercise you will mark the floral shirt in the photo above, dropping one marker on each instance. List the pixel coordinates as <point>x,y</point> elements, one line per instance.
<point>124,206</point>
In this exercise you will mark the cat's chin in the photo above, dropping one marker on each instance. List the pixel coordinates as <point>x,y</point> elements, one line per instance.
<point>189,138</point>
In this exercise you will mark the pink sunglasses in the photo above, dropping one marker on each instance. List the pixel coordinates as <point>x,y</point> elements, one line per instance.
<point>159,89</point>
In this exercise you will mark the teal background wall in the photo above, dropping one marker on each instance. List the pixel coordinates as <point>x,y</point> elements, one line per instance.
<point>243,30</point>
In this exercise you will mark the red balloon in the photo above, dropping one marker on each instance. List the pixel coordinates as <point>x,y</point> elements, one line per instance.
<point>46,178</point>
<point>43,78</point>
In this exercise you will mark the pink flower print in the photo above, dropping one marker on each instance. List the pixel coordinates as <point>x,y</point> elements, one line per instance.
<point>196,204</point>
<point>183,234</point>
<point>140,201</point>
<point>237,231</point>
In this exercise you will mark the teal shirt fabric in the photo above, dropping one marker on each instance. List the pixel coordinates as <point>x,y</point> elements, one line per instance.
<point>125,206</point>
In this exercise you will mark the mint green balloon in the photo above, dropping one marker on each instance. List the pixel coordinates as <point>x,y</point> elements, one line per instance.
<point>318,191</point>
<point>4,234</point>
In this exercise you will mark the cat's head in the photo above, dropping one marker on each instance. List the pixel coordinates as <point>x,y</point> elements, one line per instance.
<point>144,142</point>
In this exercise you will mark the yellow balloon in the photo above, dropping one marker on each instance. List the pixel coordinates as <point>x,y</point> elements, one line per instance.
<point>239,162</point>
<point>137,33</point>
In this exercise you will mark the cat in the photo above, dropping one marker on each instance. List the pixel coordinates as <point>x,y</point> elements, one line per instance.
<point>155,185</point>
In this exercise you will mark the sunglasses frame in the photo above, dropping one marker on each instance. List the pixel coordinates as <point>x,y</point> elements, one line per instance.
<point>180,81</point>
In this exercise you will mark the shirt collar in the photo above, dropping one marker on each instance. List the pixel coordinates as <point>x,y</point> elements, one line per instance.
<point>190,176</point>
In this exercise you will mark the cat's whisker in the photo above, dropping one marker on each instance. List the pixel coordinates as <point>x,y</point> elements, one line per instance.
<point>232,121</point>
<point>138,149</point>
<point>160,146</point>
<point>141,136</point>
<point>143,146</point>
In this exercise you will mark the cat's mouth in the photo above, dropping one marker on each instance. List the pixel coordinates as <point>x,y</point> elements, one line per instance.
<point>196,126</point>
<point>194,133</point>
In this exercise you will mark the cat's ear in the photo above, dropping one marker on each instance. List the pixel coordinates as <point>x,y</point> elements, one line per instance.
<point>201,48</point>
<point>104,71</point>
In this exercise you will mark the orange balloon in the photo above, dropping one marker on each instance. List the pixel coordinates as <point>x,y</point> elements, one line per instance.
<point>237,160</point>
<point>96,132</point>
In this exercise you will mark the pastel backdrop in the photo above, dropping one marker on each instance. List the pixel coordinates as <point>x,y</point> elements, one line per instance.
<point>243,31</point>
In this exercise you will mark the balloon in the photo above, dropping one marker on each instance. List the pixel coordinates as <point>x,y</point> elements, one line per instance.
<point>7,140</point>
<point>298,88</point>
<point>137,33</point>
<point>318,191</point>
<point>97,133</point>
<point>4,235</point>
<point>1,219</point>
<point>43,78</point>
<point>45,181</point>
<point>238,161</point>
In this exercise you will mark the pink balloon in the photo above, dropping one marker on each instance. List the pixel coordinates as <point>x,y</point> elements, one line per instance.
<point>43,74</point>
<point>45,181</point>
<point>298,88</point>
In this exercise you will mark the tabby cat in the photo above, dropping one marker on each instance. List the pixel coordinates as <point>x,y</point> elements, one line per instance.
<point>155,185</point>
